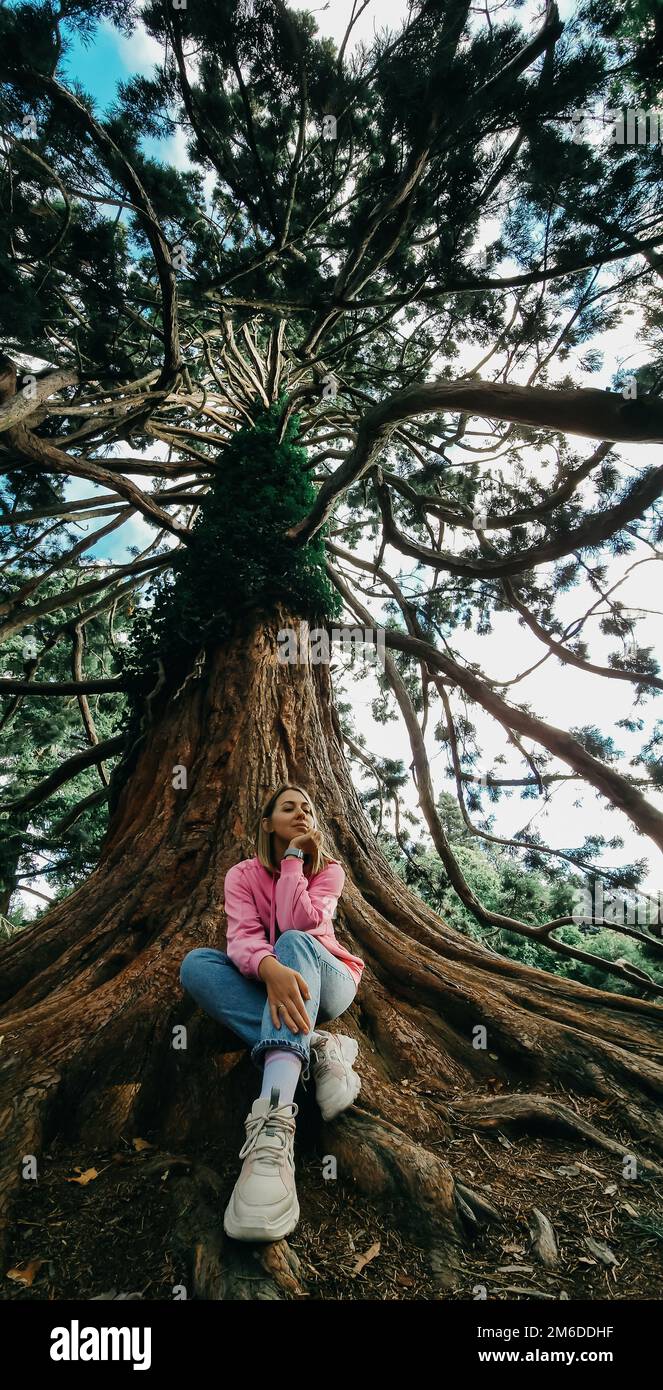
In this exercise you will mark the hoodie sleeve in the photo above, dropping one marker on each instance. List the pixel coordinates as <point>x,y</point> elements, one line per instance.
<point>307,905</point>
<point>246,939</point>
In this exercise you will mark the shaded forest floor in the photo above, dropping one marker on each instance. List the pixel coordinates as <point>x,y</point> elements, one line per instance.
<point>109,1234</point>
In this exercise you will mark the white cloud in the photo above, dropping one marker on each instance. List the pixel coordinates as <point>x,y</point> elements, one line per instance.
<point>140,53</point>
<point>174,150</point>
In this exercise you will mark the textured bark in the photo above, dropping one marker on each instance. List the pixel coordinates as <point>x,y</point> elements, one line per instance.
<point>90,994</point>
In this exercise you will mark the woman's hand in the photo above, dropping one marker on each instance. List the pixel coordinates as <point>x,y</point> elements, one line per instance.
<point>309,841</point>
<point>286,992</point>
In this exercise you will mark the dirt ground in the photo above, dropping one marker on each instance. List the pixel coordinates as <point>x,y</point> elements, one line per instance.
<point>96,1224</point>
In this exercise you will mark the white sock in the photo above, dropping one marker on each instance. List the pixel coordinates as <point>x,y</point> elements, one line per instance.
<point>281,1074</point>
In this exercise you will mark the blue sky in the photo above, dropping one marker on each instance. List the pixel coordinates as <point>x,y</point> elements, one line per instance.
<point>97,65</point>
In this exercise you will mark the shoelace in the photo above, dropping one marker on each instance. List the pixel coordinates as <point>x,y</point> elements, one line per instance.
<point>321,1059</point>
<point>256,1124</point>
<point>322,1065</point>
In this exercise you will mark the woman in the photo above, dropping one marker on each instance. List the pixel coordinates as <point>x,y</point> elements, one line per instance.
<point>282,953</point>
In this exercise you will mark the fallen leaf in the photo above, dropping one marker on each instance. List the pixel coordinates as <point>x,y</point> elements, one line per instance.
<point>364,1259</point>
<point>141,1144</point>
<point>27,1273</point>
<point>88,1176</point>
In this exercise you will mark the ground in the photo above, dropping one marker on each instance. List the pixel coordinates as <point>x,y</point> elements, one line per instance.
<point>112,1233</point>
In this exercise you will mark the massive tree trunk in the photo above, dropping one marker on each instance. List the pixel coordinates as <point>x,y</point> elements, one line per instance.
<point>91,995</point>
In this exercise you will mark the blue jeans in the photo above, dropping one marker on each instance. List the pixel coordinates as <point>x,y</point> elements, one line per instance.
<point>242,1004</point>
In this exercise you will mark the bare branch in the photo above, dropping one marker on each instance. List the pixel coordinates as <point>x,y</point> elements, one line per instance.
<point>600,414</point>
<point>611,784</point>
<point>89,757</point>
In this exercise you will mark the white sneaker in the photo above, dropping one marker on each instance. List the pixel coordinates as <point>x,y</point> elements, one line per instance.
<point>264,1204</point>
<point>337,1085</point>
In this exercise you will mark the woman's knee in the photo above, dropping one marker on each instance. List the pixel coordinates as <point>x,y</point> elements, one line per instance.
<point>290,939</point>
<point>196,960</point>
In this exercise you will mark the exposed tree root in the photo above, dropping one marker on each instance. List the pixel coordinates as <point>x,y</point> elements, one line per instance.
<point>383,1162</point>
<point>543,1115</point>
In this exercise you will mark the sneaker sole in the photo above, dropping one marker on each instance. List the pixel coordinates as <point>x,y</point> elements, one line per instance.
<point>263,1230</point>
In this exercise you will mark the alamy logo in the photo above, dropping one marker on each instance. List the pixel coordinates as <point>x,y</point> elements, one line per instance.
<point>618,127</point>
<point>75,1343</point>
<point>311,646</point>
<point>615,909</point>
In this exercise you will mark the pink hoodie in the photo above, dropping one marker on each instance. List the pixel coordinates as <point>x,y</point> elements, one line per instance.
<point>254,898</point>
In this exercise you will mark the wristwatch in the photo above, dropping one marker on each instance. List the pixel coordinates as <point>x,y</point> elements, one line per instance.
<point>294,851</point>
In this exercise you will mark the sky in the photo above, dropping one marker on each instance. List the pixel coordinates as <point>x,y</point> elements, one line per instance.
<point>562,695</point>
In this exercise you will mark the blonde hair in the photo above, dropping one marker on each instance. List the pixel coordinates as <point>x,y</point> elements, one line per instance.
<point>264,837</point>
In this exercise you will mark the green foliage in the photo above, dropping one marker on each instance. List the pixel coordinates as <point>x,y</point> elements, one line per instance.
<point>504,885</point>
<point>237,558</point>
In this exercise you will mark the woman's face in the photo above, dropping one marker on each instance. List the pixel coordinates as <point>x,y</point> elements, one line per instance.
<point>292,815</point>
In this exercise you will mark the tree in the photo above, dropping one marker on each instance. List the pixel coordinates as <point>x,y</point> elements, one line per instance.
<point>539,892</point>
<point>274,334</point>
